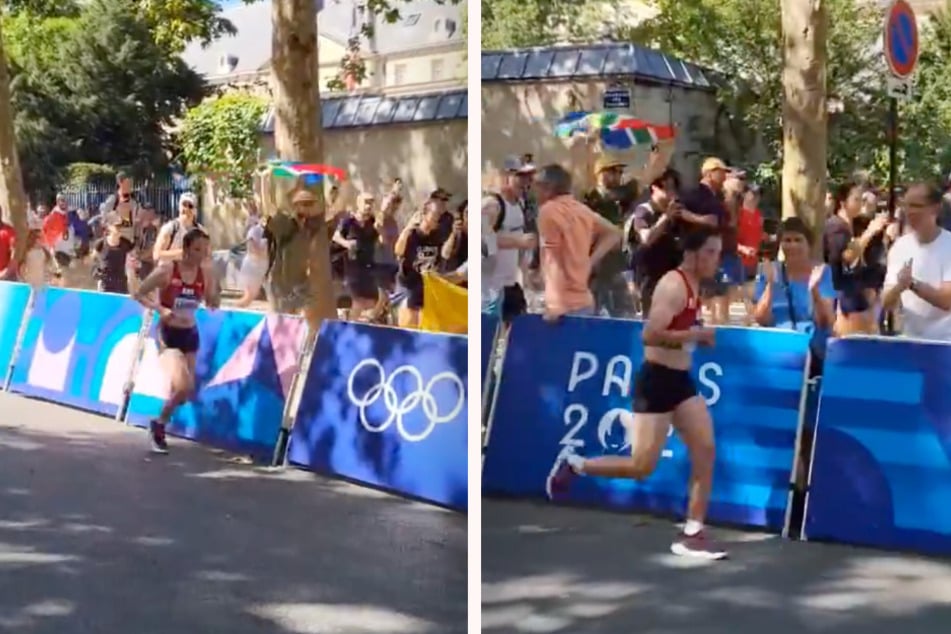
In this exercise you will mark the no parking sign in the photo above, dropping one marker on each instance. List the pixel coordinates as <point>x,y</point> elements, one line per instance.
<point>901,46</point>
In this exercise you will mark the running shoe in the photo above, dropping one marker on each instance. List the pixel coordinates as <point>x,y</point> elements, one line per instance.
<point>559,480</point>
<point>698,547</point>
<point>157,435</point>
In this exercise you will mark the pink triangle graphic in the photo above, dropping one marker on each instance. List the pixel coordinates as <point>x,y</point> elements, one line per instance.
<point>241,363</point>
<point>287,337</point>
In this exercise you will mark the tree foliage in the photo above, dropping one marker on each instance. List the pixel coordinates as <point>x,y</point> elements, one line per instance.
<point>742,40</point>
<point>96,88</point>
<point>525,23</point>
<point>219,138</point>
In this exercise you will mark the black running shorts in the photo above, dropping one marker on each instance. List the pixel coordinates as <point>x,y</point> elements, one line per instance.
<point>659,389</point>
<point>183,339</point>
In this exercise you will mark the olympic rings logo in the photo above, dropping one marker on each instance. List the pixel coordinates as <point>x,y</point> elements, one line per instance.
<point>421,395</point>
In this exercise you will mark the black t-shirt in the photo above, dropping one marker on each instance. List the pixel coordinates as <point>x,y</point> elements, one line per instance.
<point>875,256</point>
<point>421,254</point>
<point>653,261</point>
<point>446,220</point>
<point>366,236</point>
<point>849,281</point>
<point>110,266</point>
<point>703,201</point>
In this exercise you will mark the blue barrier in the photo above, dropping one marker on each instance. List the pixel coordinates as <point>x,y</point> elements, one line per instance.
<point>244,369</point>
<point>14,301</point>
<point>565,386</point>
<point>78,349</point>
<point>387,407</point>
<point>490,327</point>
<point>881,471</point>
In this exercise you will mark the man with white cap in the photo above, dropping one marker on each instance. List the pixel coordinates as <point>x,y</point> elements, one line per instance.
<point>504,215</point>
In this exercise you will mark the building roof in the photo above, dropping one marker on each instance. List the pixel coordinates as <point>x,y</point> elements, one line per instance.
<point>592,62</point>
<point>422,23</point>
<point>373,110</point>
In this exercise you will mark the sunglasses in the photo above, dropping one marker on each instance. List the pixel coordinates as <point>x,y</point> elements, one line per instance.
<point>188,205</point>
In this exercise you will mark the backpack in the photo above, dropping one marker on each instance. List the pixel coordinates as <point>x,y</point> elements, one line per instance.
<point>500,219</point>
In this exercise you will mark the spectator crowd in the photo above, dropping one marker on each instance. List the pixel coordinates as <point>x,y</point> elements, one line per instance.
<point>601,252</point>
<point>379,254</point>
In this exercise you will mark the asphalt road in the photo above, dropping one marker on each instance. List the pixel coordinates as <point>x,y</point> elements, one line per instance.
<point>99,537</point>
<point>550,569</point>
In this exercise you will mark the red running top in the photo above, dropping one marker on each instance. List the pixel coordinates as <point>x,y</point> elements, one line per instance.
<point>689,316</point>
<point>179,296</point>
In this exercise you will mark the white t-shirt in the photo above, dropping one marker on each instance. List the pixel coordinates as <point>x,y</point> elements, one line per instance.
<point>505,269</point>
<point>931,264</point>
<point>257,248</point>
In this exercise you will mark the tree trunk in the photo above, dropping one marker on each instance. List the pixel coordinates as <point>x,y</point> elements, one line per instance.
<point>12,196</point>
<point>298,132</point>
<point>805,26</point>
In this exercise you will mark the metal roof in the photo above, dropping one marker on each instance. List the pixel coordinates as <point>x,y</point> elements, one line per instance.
<point>366,110</point>
<point>591,62</point>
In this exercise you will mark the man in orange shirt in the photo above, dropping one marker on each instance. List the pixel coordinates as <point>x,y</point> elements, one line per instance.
<point>573,239</point>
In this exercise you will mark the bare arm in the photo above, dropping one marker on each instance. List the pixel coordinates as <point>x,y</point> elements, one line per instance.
<point>670,297</point>
<point>449,245</point>
<point>650,235</point>
<point>400,248</point>
<point>656,164</point>
<point>157,279</point>
<point>163,243</point>
<point>212,288</point>
<point>504,239</point>
<point>824,309</point>
<point>938,296</point>
<point>339,239</point>
<point>763,311</point>
<point>607,238</point>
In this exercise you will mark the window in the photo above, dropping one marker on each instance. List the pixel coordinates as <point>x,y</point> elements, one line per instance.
<point>436,70</point>
<point>399,74</point>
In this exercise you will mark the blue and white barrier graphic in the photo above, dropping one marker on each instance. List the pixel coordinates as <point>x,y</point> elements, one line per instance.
<point>564,388</point>
<point>78,349</point>
<point>387,407</point>
<point>244,369</point>
<point>881,471</point>
<point>14,301</point>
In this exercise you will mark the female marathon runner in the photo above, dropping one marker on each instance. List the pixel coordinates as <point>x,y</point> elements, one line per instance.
<point>183,286</point>
<point>665,395</point>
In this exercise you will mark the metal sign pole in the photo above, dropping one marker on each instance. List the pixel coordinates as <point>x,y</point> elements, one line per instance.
<point>892,154</point>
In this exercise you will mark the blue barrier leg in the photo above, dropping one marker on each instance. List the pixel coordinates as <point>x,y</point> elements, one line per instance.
<point>21,333</point>
<point>279,459</point>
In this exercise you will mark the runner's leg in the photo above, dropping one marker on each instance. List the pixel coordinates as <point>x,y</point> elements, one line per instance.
<point>647,433</point>
<point>693,422</point>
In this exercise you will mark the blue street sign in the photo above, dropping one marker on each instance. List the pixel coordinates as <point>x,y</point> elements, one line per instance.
<point>617,98</point>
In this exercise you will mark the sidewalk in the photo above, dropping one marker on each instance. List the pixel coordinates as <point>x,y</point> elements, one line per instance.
<point>99,537</point>
<point>558,570</point>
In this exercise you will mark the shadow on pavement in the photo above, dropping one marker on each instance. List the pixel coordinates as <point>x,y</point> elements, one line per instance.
<point>98,536</point>
<point>552,569</point>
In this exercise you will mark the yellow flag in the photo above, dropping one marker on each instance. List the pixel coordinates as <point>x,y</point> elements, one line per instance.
<point>445,306</point>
